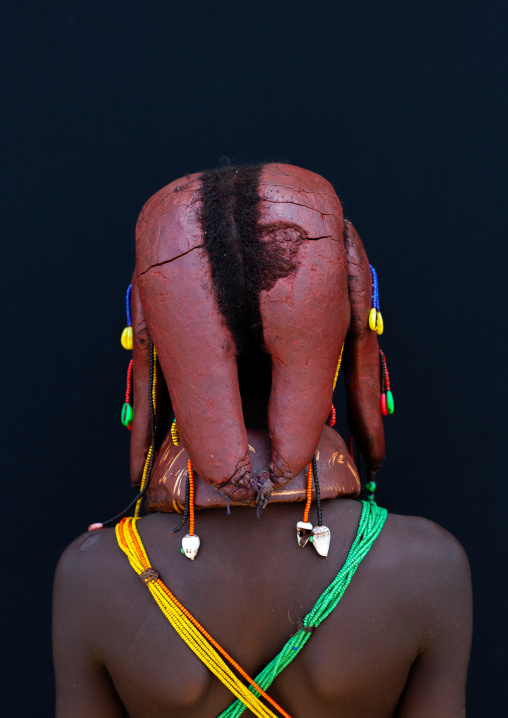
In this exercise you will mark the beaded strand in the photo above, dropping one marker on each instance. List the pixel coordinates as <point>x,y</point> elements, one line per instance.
<point>371,522</point>
<point>318,535</point>
<point>126,338</point>
<point>150,457</point>
<point>309,494</point>
<point>175,434</point>
<point>191,498</point>
<point>201,642</point>
<point>318,492</point>
<point>185,508</point>
<point>188,628</point>
<point>147,468</point>
<point>367,488</point>
<point>333,417</point>
<point>127,412</point>
<point>190,542</point>
<point>333,413</point>
<point>375,317</point>
<point>338,367</point>
<point>387,403</point>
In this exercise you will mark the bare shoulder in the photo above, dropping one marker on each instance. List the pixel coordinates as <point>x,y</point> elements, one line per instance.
<point>426,564</point>
<point>85,605</point>
<point>85,565</point>
<point>429,575</point>
<point>422,540</point>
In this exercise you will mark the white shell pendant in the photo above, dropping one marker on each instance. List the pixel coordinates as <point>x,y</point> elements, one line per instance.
<point>321,539</point>
<point>303,532</point>
<point>190,546</point>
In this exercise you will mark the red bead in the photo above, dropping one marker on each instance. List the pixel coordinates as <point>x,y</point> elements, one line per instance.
<point>384,407</point>
<point>129,383</point>
<point>333,416</point>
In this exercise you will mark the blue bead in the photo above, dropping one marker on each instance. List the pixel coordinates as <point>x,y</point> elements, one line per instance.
<point>128,305</point>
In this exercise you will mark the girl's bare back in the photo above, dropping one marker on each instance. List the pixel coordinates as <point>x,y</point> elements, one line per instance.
<point>396,645</point>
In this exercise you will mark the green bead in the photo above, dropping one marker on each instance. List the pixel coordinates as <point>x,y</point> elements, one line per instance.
<point>370,486</point>
<point>389,402</point>
<point>127,414</point>
<point>311,539</point>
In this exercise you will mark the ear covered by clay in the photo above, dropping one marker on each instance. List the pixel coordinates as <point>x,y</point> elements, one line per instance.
<point>361,358</point>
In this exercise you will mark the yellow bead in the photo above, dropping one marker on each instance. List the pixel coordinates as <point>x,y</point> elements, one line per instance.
<point>127,338</point>
<point>373,319</point>
<point>380,324</point>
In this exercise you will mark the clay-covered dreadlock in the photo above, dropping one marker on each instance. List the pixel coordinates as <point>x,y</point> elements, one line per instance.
<point>147,471</point>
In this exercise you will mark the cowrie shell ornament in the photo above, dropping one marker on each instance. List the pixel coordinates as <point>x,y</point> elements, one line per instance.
<point>190,546</point>
<point>303,532</point>
<point>321,539</point>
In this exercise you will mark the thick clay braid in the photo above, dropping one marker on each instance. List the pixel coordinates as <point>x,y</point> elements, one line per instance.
<point>361,357</point>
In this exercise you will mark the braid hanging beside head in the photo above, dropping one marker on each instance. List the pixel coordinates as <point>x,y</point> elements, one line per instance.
<point>150,457</point>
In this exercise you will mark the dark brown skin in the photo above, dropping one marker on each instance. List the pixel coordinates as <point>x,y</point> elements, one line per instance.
<point>396,645</point>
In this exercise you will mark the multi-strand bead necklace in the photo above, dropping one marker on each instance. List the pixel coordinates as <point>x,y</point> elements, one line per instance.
<point>211,653</point>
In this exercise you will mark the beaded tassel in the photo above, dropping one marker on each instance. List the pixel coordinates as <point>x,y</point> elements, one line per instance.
<point>333,413</point>
<point>367,488</point>
<point>304,528</point>
<point>318,536</point>
<point>127,411</point>
<point>370,488</point>
<point>186,508</point>
<point>318,491</point>
<point>150,457</point>
<point>375,317</point>
<point>333,417</point>
<point>338,368</point>
<point>126,338</point>
<point>175,435</point>
<point>191,542</point>
<point>387,403</point>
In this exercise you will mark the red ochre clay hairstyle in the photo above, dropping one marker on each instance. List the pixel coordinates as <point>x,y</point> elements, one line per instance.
<point>249,283</point>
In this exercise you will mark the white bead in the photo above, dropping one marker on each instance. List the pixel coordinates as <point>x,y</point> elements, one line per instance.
<point>190,545</point>
<point>321,539</point>
<point>302,532</point>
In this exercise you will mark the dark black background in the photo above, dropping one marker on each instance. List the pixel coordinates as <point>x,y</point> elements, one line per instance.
<point>402,106</point>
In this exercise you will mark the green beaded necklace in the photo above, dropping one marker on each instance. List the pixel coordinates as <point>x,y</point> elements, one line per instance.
<point>371,522</point>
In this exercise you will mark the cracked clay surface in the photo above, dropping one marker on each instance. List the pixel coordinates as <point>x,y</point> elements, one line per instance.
<point>305,319</point>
